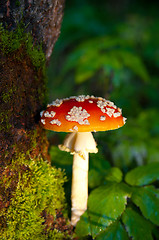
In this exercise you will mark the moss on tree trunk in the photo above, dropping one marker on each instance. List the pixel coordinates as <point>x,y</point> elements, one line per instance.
<point>32,201</point>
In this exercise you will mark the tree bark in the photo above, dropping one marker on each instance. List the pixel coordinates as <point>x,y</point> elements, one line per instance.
<point>29,30</point>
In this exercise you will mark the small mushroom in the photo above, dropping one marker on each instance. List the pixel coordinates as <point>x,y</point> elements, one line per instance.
<point>80,116</point>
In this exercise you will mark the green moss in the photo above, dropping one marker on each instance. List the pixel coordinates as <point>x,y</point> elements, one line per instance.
<point>18,45</point>
<point>5,114</point>
<point>7,95</point>
<point>17,3</point>
<point>56,235</point>
<point>12,40</point>
<point>4,118</point>
<point>31,187</point>
<point>36,53</point>
<point>39,188</point>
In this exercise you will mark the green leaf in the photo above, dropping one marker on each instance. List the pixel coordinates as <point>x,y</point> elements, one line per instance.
<point>103,52</point>
<point>87,67</point>
<point>136,226</point>
<point>105,205</point>
<point>97,169</point>
<point>106,43</point>
<point>83,227</point>
<point>95,178</point>
<point>94,60</point>
<point>147,199</point>
<point>72,60</point>
<point>143,175</point>
<point>114,174</point>
<point>60,158</point>
<point>98,176</point>
<point>133,62</point>
<point>114,231</point>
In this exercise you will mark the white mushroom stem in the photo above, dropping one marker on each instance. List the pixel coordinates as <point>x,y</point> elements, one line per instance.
<point>79,144</point>
<point>79,193</point>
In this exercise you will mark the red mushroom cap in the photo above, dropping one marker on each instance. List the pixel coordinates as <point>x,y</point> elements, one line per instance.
<point>82,114</point>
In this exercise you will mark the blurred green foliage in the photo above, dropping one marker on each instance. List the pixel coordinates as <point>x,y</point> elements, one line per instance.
<point>111,49</point>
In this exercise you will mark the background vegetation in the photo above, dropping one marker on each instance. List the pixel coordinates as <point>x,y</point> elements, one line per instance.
<point>111,49</point>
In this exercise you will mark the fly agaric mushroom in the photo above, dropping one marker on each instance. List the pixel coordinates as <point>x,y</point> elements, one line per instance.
<point>80,116</point>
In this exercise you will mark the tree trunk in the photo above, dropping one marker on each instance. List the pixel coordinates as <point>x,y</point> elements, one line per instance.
<point>30,188</point>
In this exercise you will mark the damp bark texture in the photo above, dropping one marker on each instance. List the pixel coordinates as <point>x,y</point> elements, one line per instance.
<point>22,83</point>
<point>42,18</point>
<point>23,58</point>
